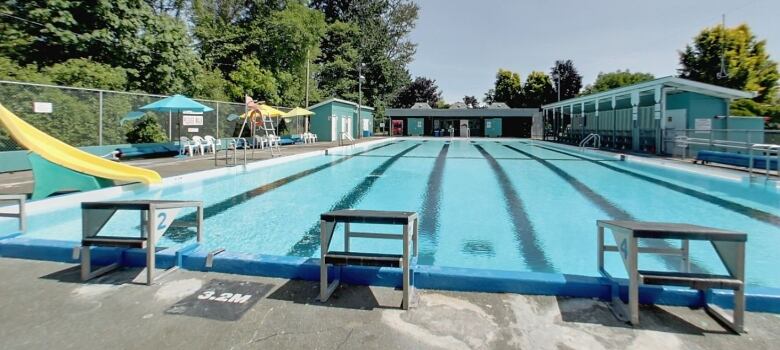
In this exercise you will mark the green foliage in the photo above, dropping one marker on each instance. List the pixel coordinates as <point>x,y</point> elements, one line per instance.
<point>154,48</point>
<point>568,81</point>
<point>747,62</point>
<point>378,38</point>
<point>10,70</point>
<point>81,72</point>
<point>253,80</point>
<point>471,101</point>
<point>422,89</point>
<point>616,79</point>
<point>748,107</point>
<point>146,130</point>
<point>507,89</point>
<point>538,90</point>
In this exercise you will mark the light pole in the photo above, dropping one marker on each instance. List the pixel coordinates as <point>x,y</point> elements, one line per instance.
<point>360,98</point>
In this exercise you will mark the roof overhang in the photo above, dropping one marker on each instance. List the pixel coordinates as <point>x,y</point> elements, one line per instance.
<point>676,83</point>
<point>462,113</point>
<point>331,100</point>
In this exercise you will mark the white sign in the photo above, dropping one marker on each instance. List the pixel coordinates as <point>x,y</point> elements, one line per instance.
<point>488,124</point>
<point>381,125</point>
<point>702,124</point>
<point>192,129</point>
<point>192,119</point>
<point>42,107</point>
<point>419,124</point>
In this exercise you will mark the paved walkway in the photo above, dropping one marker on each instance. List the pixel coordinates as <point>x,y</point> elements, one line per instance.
<point>45,306</point>
<point>22,181</point>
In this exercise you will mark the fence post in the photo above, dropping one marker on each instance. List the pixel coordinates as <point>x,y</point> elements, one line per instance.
<point>217,116</point>
<point>100,118</point>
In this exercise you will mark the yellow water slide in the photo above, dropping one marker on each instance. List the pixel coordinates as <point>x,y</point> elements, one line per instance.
<point>70,157</point>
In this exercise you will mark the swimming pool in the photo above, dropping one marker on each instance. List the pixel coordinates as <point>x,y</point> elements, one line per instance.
<point>512,205</point>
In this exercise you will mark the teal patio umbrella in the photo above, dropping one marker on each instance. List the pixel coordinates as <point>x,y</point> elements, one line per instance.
<point>176,103</point>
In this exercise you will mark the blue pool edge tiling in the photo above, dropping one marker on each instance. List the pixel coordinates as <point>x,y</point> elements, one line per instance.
<point>190,257</point>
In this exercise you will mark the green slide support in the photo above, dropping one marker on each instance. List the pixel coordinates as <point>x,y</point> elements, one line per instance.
<point>51,178</point>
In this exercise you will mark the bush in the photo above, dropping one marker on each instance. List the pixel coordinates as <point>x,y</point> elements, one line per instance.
<point>146,130</point>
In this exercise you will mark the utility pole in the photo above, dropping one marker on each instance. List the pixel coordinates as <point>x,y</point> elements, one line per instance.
<point>723,73</point>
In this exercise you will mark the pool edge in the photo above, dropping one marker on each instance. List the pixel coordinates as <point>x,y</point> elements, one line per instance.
<point>758,299</point>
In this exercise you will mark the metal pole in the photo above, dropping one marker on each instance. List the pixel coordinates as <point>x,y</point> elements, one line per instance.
<point>307,78</point>
<point>170,126</point>
<point>360,94</point>
<point>216,132</point>
<point>100,119</point>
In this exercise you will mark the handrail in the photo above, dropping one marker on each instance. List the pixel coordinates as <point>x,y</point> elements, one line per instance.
<point>596,138</point>
<point>21,214</point>
<point>684,141</point>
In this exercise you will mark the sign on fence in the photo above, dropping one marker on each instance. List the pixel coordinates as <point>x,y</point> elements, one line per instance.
<point>190,118</point>
<point>42,107</point>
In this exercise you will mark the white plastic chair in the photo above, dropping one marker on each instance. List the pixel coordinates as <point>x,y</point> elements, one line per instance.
<point>199,143</point>
<point>210,142</point>
<point>312,137</point>
<point>260,141</point>
<point>185,146</point>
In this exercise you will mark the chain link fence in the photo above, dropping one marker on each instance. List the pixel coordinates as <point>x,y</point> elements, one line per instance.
<point>92,117</point>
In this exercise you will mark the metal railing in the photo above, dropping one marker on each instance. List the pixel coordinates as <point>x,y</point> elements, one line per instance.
<point>750,143</point>
<point>95,117</point>
<point>593,137</point>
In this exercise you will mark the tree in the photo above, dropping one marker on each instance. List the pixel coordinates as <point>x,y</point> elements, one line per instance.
<point>146,130</point>
<point>566,79</point>
<point>537,90</point>
<point>471,101</point>
<point>616,79</point>
<point>82,72</point>
<point>253,80</point>
<point>155,49</point>
<point>422,89</point>
<point>747,63</point>
<point>380,40</point>
<point>508,89</point>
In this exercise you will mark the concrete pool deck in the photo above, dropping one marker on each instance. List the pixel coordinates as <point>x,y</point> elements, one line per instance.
<point>45,305</point>
<point>21,182</point>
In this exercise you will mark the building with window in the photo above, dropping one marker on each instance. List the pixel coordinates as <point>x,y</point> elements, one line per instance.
<point>646,117</point>
<point>495,120</point>
<point>334,117</point>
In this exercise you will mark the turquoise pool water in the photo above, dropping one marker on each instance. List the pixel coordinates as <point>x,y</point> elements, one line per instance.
<point>506,204</point>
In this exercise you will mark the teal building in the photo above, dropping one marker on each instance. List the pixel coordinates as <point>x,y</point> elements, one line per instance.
<point>646,117</point>
<point>334,117</point>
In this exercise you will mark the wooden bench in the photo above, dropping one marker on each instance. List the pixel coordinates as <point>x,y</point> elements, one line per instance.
<point>156,216</point>
<point>729,245</point>
<point>328,222</point>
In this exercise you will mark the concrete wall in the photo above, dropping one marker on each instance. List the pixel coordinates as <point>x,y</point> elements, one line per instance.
<point>320,122</point>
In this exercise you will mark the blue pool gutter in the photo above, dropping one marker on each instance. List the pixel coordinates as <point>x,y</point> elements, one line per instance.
<point>192,257</point>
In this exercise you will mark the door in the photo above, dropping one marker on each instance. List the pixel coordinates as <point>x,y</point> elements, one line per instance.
<point>673,123</point>
<point>334,128</point>
<point>464,128</point>
<point>346,125</point>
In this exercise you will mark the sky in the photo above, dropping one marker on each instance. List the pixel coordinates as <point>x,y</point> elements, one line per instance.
<point>462,43</point>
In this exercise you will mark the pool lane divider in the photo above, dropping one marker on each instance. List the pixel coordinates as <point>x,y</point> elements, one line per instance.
<point>752,213</point>
<point>180,234</point>
<point>530,249</point>
<point>429,216</point>
<point>310,241</point>
<point>611,209</point>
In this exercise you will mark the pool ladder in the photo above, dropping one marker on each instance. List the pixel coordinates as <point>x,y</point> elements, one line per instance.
<point>595,138</point>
